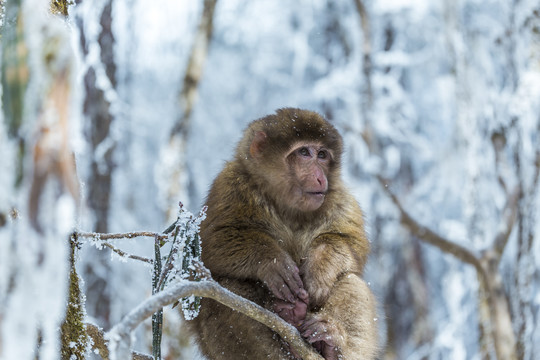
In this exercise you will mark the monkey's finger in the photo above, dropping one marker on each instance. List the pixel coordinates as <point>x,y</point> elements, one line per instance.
<point>295,283</point>
<point>287,294</point>
<point>293,286</point>
<point>319,336</point>
<point>274,283</point>
<point>275,289</point>
<point>304,296</point>
<point>306,334</point>
<point>297,278</point>
<point>300,310</point>
<point>318,333</point>
<point>290,269</point>
<point>280,305</point>
<point>308,323</point>
<point>329,352</point>
<point>287,315</point>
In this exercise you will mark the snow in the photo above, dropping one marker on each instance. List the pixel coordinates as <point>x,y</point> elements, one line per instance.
<point>444,77</point>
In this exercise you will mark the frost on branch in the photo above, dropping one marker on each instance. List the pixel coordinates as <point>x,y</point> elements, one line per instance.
<point>185,253</point>
<point>181,275</point>
<point>182,264</point>
<point>185,249</point>
<point>120,335</point>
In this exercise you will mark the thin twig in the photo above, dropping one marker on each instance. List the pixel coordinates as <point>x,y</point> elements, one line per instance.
<point>157,317</point>
<point>169,265</point>
<point>129,235</point>
<point>125,254</point>
<point>101,237</point>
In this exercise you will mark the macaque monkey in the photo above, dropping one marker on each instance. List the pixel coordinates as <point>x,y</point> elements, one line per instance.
<point>282,231</point>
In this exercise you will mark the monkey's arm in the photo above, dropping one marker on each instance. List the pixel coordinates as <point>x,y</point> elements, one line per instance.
<point>235,240</point>
<point>341,248</point>
<point>342,325</point>
<point>331,256</point>
<point>247,253</point>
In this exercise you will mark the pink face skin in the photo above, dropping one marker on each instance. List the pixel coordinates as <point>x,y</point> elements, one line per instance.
<point>309,163</point>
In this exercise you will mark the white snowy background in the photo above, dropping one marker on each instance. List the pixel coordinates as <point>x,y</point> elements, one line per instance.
<point>446,79</point>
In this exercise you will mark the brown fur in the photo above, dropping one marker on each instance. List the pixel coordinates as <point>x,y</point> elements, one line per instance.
<point>251,231</point>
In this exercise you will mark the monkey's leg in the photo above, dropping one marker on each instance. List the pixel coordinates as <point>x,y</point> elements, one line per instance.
<point>350,316</point>
<point>225,334</point>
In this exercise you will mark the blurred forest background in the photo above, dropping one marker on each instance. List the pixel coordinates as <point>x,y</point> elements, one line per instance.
<point>438,102</point>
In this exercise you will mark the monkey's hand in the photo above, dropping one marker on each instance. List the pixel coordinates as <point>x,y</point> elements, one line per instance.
<point>294,314</point>
<point>282,277</point>
<point>322,334</point>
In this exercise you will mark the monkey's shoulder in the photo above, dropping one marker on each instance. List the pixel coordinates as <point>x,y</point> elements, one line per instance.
<point>234,197</point>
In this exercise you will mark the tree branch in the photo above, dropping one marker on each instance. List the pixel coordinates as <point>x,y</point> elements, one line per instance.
<point>429,236</point>
<point>366,33</point>
<point>509,218</point>
<point>120,335</point>
<point>125,254</point>
<point>194,71</point>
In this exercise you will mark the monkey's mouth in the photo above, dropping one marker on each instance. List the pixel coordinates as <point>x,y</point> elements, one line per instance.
<point>320,194</point>
<point>314,200</point>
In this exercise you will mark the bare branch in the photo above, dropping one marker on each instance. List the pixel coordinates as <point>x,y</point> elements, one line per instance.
<point>509,218</point>
<point>498,140</point>
<point>174,169</point>
<point>429,236</point>
<point>366,33</point>
<point>120,338</point>
<point>194,71</point>
<point>537,171</point>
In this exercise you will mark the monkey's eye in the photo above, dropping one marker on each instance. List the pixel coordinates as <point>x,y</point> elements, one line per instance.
<point>304,151</point>
<point>322,154</point>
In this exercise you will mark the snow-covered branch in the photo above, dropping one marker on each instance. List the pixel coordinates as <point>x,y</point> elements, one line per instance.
<point>101,239</point>
<point>120,335</point>
<point>128,235</point>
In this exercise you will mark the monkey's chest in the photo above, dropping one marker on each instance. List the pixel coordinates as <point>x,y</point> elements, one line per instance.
<point>295,243</point>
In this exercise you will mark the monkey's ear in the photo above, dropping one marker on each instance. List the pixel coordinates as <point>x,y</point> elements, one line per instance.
<point>257,144</point>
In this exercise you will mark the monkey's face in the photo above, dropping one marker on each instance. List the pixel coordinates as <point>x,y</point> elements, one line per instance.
<point>291,159</point>
<point>308,165</point>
